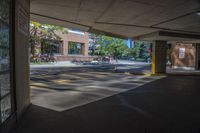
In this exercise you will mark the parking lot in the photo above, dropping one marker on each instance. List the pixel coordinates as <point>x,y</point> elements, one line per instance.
<point>61,88</point>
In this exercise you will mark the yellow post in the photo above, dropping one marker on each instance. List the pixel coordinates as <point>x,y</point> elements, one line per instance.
<point>153,65</point>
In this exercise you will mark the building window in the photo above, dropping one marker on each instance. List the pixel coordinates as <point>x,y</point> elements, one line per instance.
<point>75,48</point>
<point>51,47</point>
<point>5,79</point>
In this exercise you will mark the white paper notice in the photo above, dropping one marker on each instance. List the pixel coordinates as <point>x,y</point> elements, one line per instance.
<point>181,53</point>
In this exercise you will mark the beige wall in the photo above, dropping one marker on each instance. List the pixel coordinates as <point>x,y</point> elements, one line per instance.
<point>21,40</point>
<point>190,55</point>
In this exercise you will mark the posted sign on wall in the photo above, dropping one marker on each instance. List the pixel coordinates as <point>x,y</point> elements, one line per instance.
<point>181,53</point>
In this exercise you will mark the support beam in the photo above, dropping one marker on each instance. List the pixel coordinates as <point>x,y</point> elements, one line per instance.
<point>21,55</point>
<point>159,52</point>
<point>197,60</point>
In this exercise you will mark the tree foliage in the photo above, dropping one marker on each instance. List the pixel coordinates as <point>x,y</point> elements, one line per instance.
<point>39,32</point>
<point>110,46</point>
<point>140,50</point>
<point>115,47</point>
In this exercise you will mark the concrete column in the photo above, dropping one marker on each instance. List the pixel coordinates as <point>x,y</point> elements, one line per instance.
<point>21,57</point>
<point>159,52</point>
<point>197,59</point>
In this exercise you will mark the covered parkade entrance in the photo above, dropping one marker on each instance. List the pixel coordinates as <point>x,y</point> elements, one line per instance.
<point>167,105</point>
<point>156,22</point>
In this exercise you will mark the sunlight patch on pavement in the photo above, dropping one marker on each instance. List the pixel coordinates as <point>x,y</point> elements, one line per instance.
<point>39,84</point>
<point>86,90</point>
<point>61,81</point>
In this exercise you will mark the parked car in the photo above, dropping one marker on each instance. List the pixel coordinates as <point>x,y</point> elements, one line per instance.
<point>132,59</point>
<point>95,62</point>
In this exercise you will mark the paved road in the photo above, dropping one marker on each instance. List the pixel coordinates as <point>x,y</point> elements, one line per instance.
<point>62,88</point>
<point>98,99</point>
<point>121,66</point>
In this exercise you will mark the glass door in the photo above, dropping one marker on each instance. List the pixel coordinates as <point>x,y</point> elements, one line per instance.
<point>5,71</point>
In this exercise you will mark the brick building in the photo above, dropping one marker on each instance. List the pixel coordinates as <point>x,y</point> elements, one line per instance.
<point>73,45</point>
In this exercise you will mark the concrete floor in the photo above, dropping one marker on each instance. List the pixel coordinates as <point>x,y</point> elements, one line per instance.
<point>167,105</point>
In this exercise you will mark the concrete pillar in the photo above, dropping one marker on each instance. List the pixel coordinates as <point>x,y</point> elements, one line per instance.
<point>21,57</point>
<point>159,52</point>
<point>197,59</point>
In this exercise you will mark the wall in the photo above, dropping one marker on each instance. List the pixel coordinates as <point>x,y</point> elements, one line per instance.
<point>72,57</point>
<point>21,36</point>
<point>188,62</point>
<point>73,37</point>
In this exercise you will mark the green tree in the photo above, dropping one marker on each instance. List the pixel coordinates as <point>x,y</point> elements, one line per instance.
<point>94,44</point>
<point>132,52</point>
<point>110,46</point>
<point>39,32</point>
<point>137,48</point>
<point>140,50</point>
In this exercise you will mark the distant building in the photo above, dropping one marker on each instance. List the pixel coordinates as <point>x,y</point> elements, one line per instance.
<point>73,45</point>
<point>130,43</point>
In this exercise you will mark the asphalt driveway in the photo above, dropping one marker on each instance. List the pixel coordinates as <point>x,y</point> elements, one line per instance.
<point>111,103</point>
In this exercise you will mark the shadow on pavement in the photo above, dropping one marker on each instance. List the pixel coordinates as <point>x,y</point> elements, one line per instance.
<point>168,105</point>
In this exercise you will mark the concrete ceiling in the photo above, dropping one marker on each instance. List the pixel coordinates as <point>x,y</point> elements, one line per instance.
<point>123,18</point>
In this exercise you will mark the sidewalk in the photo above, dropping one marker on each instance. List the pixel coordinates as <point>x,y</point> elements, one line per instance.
<point>120,67</point>
<point>57,64</point>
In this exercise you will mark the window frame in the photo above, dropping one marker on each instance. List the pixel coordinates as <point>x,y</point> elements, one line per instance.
<point>11,70</point>
<point>75,43</point>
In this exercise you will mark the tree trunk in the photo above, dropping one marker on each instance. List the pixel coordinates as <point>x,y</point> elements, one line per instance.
<point>33,43</point>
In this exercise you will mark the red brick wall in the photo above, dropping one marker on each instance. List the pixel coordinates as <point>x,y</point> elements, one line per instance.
<point>72,57</point>
<point>73,37</point>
